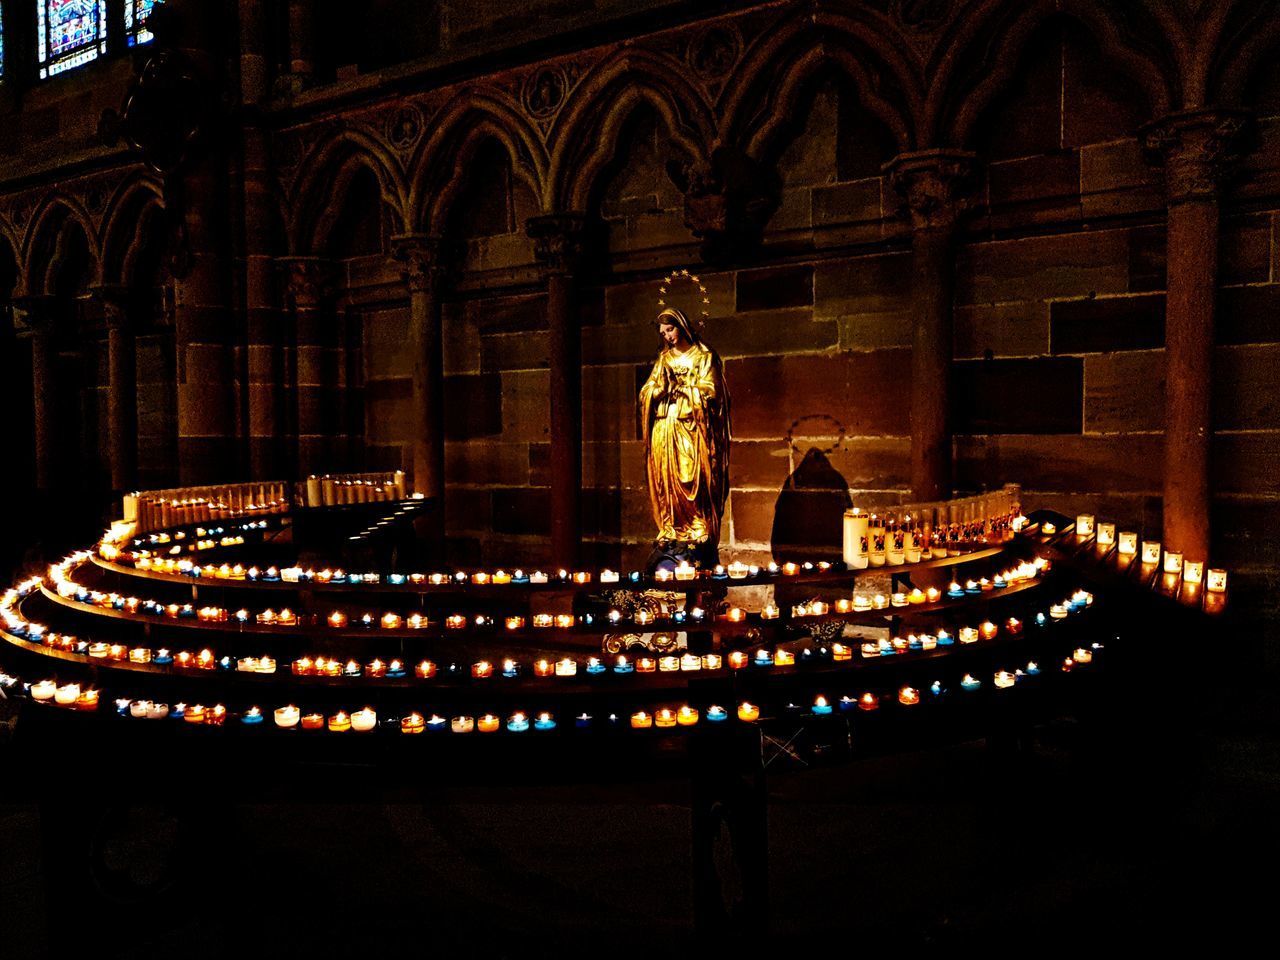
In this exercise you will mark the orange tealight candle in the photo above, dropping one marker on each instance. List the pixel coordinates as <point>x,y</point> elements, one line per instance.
<point>840,651</point>
<point>313,721</point>
<point>784,658</point>
<point>868,701</point>
<point>515,623</point>
<point>337,620</point>
<point>641,721</point>
<point>646,665</point>
<point>687,716</point>
<point>392,621</point>
<point>737,660</point>
<point>482,670</point>
<point>542,668</point>
<point>413,723</point>
<point>988,630</point>
<point>425,670</point>
<point>340,722</point>
<point>908,696</point>
<point>665,718</point>
<point>748,712</point>
<point>488,723</point>
<point>376,669</point>
<point>455,621</point>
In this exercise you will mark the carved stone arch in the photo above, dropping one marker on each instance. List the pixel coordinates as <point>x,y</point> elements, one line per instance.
<point>326,172</point>
<point>10,247</point>
<point>774,72</point>
<point>134,203</point>
<point>1250,38</point>
<point>980,51</point>
<point>56,220</point>
<point>440,169</point>
<point>585,135</point>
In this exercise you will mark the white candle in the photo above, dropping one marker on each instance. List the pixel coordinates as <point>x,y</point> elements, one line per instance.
<point>1084,525</point>
<point>1193,571</point>
<point>362,721</point>
<point>1217,582</point>
<point>1128,542</point>
<point>1150,551</point>
<point>856,526</point>
<point>43,690</point>
<point>1106,534</point>
<point>287,717</point>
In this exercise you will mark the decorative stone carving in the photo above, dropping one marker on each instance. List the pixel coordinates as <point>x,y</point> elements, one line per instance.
<point>727,202</point>
<point>1198,150</point>
<point>309,280</point>
<point>937,187</point>
<point>557,240</point>
<point>545,91</point>
<point>713,52</point>
<point>404,126</point>
<point>419,256</point>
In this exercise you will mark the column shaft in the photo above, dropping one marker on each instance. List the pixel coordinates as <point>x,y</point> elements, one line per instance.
<point>122,405</point>
<point>931,351</point>
<point>565,401</point>
<point>44,387</point>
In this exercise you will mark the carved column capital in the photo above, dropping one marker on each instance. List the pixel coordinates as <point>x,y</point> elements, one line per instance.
<point>309,281</point>
<point>557,240</point>
<point>38,312</point>
<point>420,257</point>
<point>116,300</point>
<point>1198,149</point>
<point>937,186</point>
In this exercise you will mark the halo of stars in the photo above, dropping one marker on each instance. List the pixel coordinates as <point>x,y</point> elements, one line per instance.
<point>672,278</point>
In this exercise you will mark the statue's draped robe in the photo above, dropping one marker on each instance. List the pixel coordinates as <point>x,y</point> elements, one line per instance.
<point>684,407</point>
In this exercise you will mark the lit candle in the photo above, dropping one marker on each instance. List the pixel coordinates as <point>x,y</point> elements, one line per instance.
<point>1004,680</point>
<point>748,712</point>
<point>340,722</point>
<point>489,723</point>
<point>544,721</point>
<point>1084,525</point>
<point>462,724</point>
<point>908,696</point>
<point>313,721</point>
<point>821,707</point>
<point>1106,534</point>
<point>287,717</point>
<point>425,670</point>
<point>770,611</point>
<point>518,723</point>
<point>413,723</point>
<point>987,629</point>
<point>687,716</point>
<point>1150,551</point>
<point>1128,542</point>
<point>1217,581</point>
<point>67,694</point>
<point>392,621</point>
<point>482,670</point>
<point>251,717</point>
<point>868,701</point>
<point>717,714</point>
<point>969,682</point>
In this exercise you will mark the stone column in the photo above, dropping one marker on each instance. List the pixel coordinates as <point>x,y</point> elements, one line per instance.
<point>419,257</point>
<point>935,186</point>
<point>37,313</point>
<point>301,44</point>
<point>122,384</point>
<point>317,406</point>
<point>1195,148</point>
<point>558,245</point>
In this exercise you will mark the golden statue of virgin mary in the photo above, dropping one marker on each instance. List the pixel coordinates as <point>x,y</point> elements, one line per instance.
<point>684,408</point>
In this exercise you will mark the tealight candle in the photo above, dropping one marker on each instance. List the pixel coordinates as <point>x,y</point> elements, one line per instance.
<point>67,694</point>
<point>313,721</point>
<point>287,717</point>
<point>194,714</point>
<point>482,670</point>
<point>340,722</point>
<point>515,623</point>
<point>517,723</point>
<point>908,696</point>
<point>687,716</point>
<point>392,621</point>
<point>641,721</point>
<point>544,721</point>
<point>969,682</point>
<point>1106,534</point>
<point>413,723</point>
<point>1004,680</point>
<point>337,620</point>
<point>646,665</point>
<point>665,718</point>
<point>1084,525</point>
<point>489,723</point>
<point>821,707</point>
<point>1216,581</point>
<point>868,702</point>
<point>251,717</point>
<point>1128,542</point>
<point>462,724</point>
<point>1172,562</point>
<point>1193,571</point>
<point>668,664</point>
<point>770,611</point>
<point>748,712</point>
<point>1150,551</point>
<point>987,630</point>
<point>139,708</point>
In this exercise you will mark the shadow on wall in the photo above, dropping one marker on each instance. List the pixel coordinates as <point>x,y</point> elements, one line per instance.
<point>807,517</point>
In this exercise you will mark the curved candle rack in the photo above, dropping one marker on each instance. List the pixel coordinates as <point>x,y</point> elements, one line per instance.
<point>136,628</point>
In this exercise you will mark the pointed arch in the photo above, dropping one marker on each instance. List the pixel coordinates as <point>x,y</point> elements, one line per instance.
<point>775,71</point>
<point>977,63</point>
<point>586,132</point>
<point>54,228</point>
<point>1250,38</point>
<point>440,168</point>
<point>316,200</point>
<point>130,213</point>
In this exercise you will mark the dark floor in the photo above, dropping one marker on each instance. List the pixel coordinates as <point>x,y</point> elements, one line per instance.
<point>1155,835</point>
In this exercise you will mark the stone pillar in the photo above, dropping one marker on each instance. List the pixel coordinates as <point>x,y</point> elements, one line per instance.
<point>207,448</point>
<point>419,257</point>
<point>122,385</point>
<point>38,313</point>
<point>1195,148</point>
<point>317,410</point>
<point>301,44</point>
<point>558,245</point>
<point>935,186</point>
<point>263,362</point>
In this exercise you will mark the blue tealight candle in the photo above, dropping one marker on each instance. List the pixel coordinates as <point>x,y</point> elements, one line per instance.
<point>679,616</point>
<point>252,717</point>
<point>973,589</point>
<point>178,711</point>
<point>623,666</point>
<point>635,576</point>
<point>163,658</point>
<point>1000,582</point>
<point>520,577</point>
<point>582,721</point>
<point>397,672</point>
<point>914,643</point>
<point>437,724</point>
<point>848,704</point>
<point>1033,669</point>
<point>395,578</point>
<point>518,723</point>
<point>717,714</point>
<point>594,666</point>
<point>763,658</point>
<point>225,663</point>
<point>937,689</point>
<point>820,707</point>
<point>1041,619</point>
<point>544,721</point>
<point>510,669</point>
<point>945,639</point>
<point>970,683</point>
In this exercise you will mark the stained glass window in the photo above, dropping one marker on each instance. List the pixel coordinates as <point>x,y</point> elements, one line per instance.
<point>69,33</point>
<point>135,20</point>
